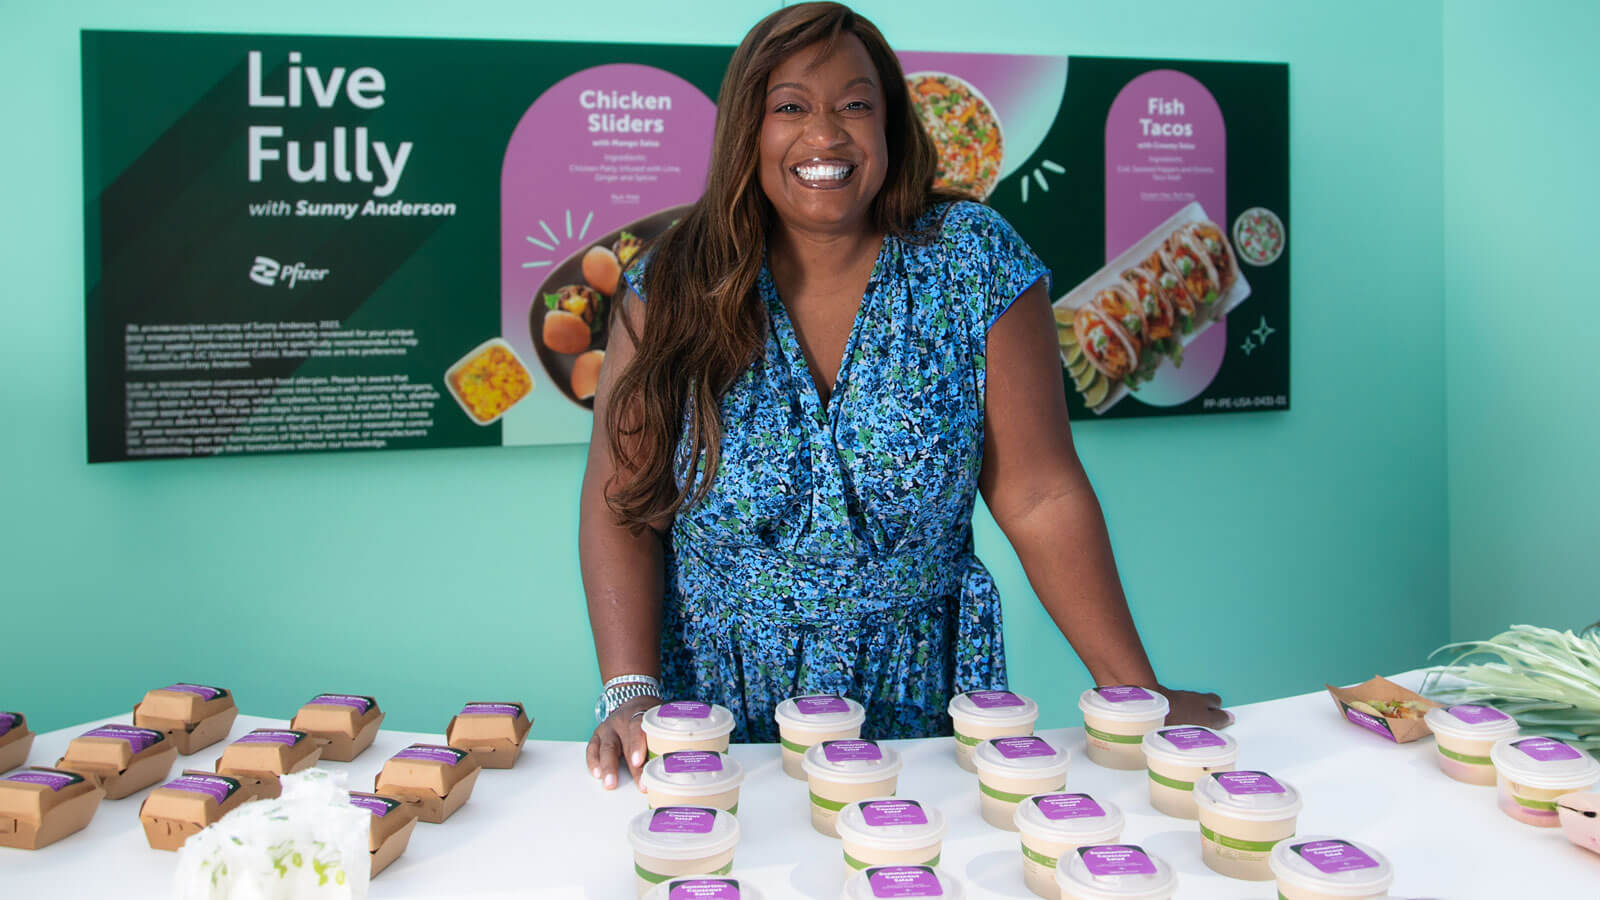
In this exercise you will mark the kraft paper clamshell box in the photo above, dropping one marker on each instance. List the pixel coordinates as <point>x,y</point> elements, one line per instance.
<point>188,803</point>
<point>393,820</point>
<point>39,806</point>
<point>347,722</point>
<point>492,732</point>
<point>122,758</point>
<point>15,740</point>
<point>435,779</point>
<point>192,716</point>
<point>1394,728</point>
<point>261,757</point>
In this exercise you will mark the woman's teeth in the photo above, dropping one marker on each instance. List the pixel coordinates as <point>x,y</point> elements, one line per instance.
<point>823,172</point>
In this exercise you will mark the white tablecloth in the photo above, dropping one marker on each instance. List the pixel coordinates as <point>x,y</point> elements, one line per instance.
<point>545,829</point>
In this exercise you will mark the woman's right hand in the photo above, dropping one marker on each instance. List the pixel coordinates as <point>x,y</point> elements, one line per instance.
<point>620,738</point>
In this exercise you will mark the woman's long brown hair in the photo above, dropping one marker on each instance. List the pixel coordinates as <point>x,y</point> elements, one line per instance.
<point>704,321</point>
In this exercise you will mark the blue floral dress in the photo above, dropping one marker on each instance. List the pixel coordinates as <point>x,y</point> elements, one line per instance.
<point>833,554</point>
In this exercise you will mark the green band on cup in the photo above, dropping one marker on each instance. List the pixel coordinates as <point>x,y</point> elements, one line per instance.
<point>1463,758</point>
<point>734,809</point>
<point>968,741</point>
<point>1009,798</point>
<point>1548,806</point>
<point>1164,781</point>
<point>858,865</point>
<point>1036,856</point>
<point>825,803</point>
<point>1108,737</point>
<point>1223,840</point>
<point>791,745</point>
<point>648,875</point>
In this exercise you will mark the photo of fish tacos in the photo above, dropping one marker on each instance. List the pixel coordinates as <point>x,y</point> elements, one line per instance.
<point>1194,272</point>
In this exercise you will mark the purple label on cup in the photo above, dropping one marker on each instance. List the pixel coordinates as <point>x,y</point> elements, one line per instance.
<point>886,813</point>
<point>1546,749</point>
<point>852,750</point>
<point>54,779</point>
<point>273,736</point>
<point>684,709</point>
<point>1069,806</point>
<point>1248,782</point>
<point>1123,693</point>
<point>994,699</point>
<point>820,705</point>
<point>217,787</point>
<point>8,721</point>
<point>199,690</point>
<point>373,803</point>
<point>1333,857</point>
<point>704,889</point>
<point>904,881</point>
<point>1116,859</point>
<point>684,761</point>
<point>1022,747</point>
<point>491,709</point>
<point>433,753</point>
<point>1192,738</point>
<point>1371,723</point>
<point>358,703</point>
<point>140,739</point>
<point>682,820</point>
<point>1473,714</point>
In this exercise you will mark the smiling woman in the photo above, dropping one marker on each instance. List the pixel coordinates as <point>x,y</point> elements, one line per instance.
<point>794,421</point>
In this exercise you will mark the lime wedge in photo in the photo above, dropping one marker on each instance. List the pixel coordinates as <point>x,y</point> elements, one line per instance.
<point>1073,352</point>
<point>1096,394</point>
<point>1063,315</point>
<point>1086,379</point>
<point>1079,366</point>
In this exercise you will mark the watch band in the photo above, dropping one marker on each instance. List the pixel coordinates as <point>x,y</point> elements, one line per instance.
<point>620,690</point>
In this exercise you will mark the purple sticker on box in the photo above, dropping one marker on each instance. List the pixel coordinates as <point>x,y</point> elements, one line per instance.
<point>8,721</point>
<point>1124,693</point>
<point>54,779</point>
<point>852,750</point>
<point>433,753</point>
<point>373,803</point>
<point>217,787</point>
<point>704,889</point>
<point>820,705</point>
<point>682,820</point>
<point>199,690</point>
<point>1371,723</point>
<point>1333,857</point>
<point>994,699</point>
<point>1116,859</point>
<point>1546,749</point>
<point>1192,738</point>
<point>491,709</point>
<point>1022,747</point>
<point>273,736</point>
<point>1473,714</point>
<point>358,703</point>
<point>887,813</point>
<point>684,761</point>
<point>140,739</point>
<point>1069,806</point>
<point>904,881</point>
<point>1248,782</point>
<point>684,709</point>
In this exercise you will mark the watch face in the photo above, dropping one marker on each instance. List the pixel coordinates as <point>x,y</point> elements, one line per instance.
<point>600,709</point>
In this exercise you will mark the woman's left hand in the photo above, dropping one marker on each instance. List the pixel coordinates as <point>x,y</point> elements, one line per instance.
<point>1191,708</point>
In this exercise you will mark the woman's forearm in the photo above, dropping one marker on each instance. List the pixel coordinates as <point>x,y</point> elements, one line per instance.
<point>623,585</point>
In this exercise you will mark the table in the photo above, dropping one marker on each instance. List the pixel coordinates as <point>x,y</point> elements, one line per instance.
<point>546,830</point>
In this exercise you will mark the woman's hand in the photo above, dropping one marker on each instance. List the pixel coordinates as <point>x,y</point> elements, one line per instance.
<point>1191,708</point>
<point>620,737</point>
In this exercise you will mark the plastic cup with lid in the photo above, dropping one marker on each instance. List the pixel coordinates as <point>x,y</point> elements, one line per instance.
<point>686,725</point>
<point>847,771</point>
<point>1176,757</point>
<point>1054,823</point>
<point>803,721</point>
<point>704,887</point>
<point>1462,738</point>
<point>1011,769</point>
<point>1531,772</point>
<point>693,778</point>
<point>676,841</point>
<point>1328,868</point>
<point>1114,872</point>
<point>981,715</point>
<point>884,882</point>
<point>1115,720</point>
<point>1244,814</point>
<point>887,831</point>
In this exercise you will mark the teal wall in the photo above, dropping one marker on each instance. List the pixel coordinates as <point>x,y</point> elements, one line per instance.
<point>1264,553</point>
<point>1521,330</point>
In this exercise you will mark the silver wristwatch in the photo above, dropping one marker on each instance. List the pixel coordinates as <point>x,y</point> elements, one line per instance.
<point>620,690</point>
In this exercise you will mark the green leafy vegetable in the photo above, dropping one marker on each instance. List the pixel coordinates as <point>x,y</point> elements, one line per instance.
<point>1548,680</point>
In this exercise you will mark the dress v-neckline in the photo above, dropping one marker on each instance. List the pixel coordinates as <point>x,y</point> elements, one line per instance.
<point>789,338</point>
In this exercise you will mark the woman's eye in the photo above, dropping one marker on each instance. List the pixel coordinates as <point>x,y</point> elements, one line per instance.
<point>858,104</point>
<point>788,108</point>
